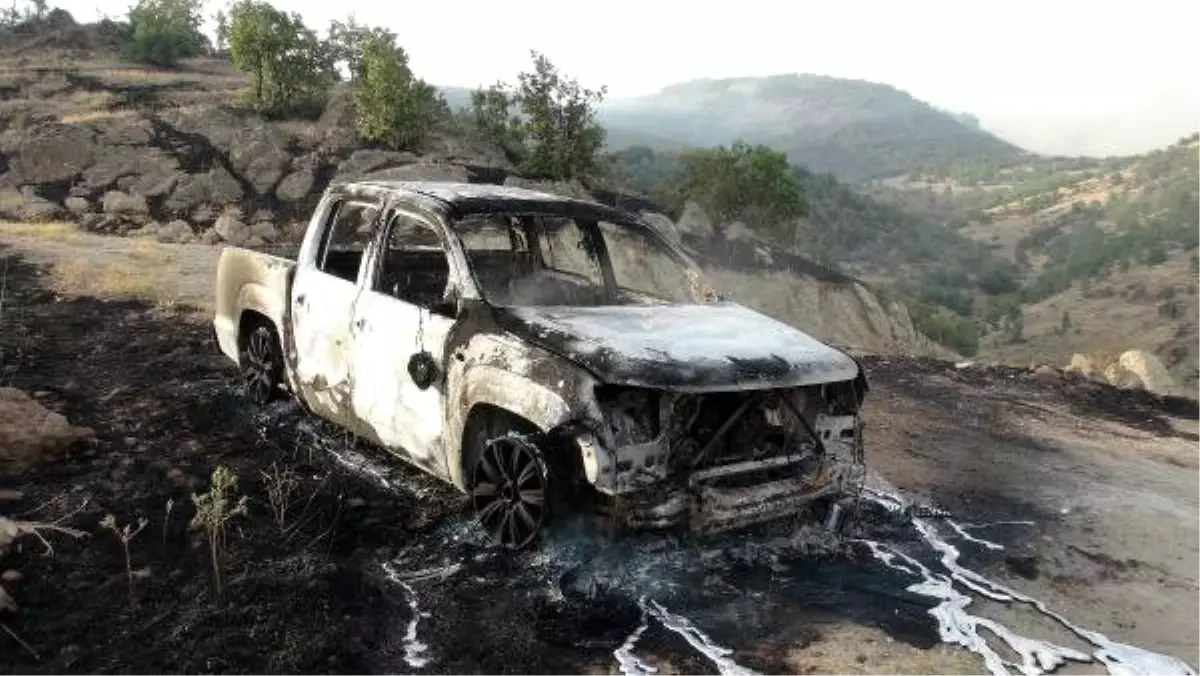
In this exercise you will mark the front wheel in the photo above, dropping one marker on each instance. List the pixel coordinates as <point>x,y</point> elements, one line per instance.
<point>510,490</point>
<point>262,365</point>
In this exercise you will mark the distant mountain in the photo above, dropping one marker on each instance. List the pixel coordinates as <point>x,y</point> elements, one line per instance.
<point>854,129</point>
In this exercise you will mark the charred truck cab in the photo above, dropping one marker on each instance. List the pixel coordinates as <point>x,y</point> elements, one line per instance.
<point>540,353</point>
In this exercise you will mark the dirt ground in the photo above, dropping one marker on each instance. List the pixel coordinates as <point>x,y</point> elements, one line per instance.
<point>378,568</point>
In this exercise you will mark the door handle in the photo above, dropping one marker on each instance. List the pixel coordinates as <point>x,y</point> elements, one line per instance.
<point>360,324</point>
<point>300,299</point>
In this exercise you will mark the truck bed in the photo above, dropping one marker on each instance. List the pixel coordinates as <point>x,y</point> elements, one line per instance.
<point>254,280</point>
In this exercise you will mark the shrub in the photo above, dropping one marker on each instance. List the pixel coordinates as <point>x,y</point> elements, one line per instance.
<point>164,31</point>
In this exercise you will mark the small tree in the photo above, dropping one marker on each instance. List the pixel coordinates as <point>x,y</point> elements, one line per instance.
<point>164,31</point>
<point>348,41</point>
<point>560,122</point>
<point>1065,324</point>
<point>395,108</point>
<point>494,112</point>
<point>292,69</point>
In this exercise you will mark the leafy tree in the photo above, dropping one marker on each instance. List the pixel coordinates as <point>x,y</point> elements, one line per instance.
<point>292,69</point>
<point>495,112</point>
<point>164,31</point>
<point>222,21</point>
<point>348,42</point>
<point>562,133</point>
<point>547,123</point>
<point>395,108</point>
<point>751,183</point>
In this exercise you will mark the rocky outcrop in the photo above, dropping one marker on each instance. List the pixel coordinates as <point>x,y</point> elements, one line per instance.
<point>1132,369</point>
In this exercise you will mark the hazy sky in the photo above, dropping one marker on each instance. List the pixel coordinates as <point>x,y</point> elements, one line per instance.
<point>1056,75</point>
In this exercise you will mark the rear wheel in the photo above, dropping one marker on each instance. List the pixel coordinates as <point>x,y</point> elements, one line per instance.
<point>262,364</point>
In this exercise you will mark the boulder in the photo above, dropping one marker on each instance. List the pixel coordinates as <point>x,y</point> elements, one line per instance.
<point>1047,373</point>
<point>259,154</point>
<point>1081,364</point>
<point>694,221</point>
<point>1149,370</point>
<point>231,229</point>
<point>362,162</point>
<point>264,230</point>
<point>209,237</point>
<point>27,206</point>
<point>52,153</point>
<point>175,232</point>
<point>122,204</point>
<point>77,205</point>
<point>253,241</point>
<point>662,224</point>
<point>564,188</point>
<point>126,166</point>
<point>30,433</point>
<point>421,171</point>
<point>1122,378</point>
<point>295,186</point>
<point>191,191</point>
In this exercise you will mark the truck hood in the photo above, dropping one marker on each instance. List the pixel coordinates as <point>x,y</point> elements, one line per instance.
<point>692,348</point>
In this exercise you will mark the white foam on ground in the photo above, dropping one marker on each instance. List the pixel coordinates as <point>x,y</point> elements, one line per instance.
<point>718,655</point>
<point>958,626</point>
<point>416,653</point>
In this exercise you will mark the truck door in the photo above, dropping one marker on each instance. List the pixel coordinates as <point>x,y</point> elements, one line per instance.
<point>405,310</point>
<point>323,298</point>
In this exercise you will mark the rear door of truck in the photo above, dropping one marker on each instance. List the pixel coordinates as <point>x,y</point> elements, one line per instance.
<point>329,273</point>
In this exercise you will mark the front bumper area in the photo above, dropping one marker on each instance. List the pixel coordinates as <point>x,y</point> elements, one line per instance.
<point>734,496</point>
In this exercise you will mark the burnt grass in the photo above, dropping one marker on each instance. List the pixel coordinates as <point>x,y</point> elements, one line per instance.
<point>313,596</point>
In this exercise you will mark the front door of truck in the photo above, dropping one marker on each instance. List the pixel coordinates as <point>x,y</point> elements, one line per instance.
<point>405,309</point>
<point>323,299</point>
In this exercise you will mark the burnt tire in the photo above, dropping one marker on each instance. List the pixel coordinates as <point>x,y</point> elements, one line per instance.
<point>511,490</point>
<point>262,364</point>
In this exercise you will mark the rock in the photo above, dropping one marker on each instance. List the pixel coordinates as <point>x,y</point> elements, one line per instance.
<point>77,205</point>
<point>295,186</point>
<point>122,204</point>
<point>11,576</point>
<point>253,241</point>
<point>662,224</point>
<point>209,237</point>
<point>193,191</point>
<point>52,153</point>
<point>27,206</point>
<point>1122,378</point>
<point>175,232</point>
<point>259,154</point>
<point>694,221</point>
<point>265,231</point>
<point>1149,370</point>
<point>422,171</point>
<point>564,188</point>
<point>1080,364</point>
<point>231,229</point>
<point>30,433</point>
<point>362,162</point>
<point>147,230</point>
<point>1047,373</point>
<point>130,168</point>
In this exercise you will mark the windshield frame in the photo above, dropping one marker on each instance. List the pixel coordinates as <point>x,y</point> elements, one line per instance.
<point>699,290</point>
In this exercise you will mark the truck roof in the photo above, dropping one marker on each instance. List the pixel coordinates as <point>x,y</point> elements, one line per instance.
<point>461,199</point>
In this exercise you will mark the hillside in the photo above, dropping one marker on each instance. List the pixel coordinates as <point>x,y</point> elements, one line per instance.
<point>851,128</point>
<point>1102,253</point>
<point>126,149</point>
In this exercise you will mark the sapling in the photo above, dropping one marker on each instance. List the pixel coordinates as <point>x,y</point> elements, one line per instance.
<point>125,534</point>
<point>213,510</point>
<point>281,483</point>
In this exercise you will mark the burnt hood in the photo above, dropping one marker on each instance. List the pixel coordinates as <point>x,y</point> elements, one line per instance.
<point>681,347</point>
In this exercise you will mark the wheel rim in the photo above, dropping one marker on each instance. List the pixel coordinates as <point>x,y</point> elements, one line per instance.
<point>509,491</point>
<point>260,366</point>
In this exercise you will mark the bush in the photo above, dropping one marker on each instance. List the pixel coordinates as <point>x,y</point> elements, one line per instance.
<point>164,31</point>
<point>395,109</point>
<point>744,182</point>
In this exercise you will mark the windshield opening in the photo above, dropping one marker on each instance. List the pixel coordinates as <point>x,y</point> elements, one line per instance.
<point>521,259</point>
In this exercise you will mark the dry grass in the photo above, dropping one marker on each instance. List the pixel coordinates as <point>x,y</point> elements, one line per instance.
<point>86,116</point>
<point>56,231</point>
<point>855,649</point>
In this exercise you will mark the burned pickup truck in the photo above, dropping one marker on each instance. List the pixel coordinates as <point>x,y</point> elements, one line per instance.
<point>543,354</point>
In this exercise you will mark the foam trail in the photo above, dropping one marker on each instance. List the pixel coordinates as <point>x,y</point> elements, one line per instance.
<point>696,638</point>
<point>957,626</point>
<point>630,664</point>
<point>415,652</point>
